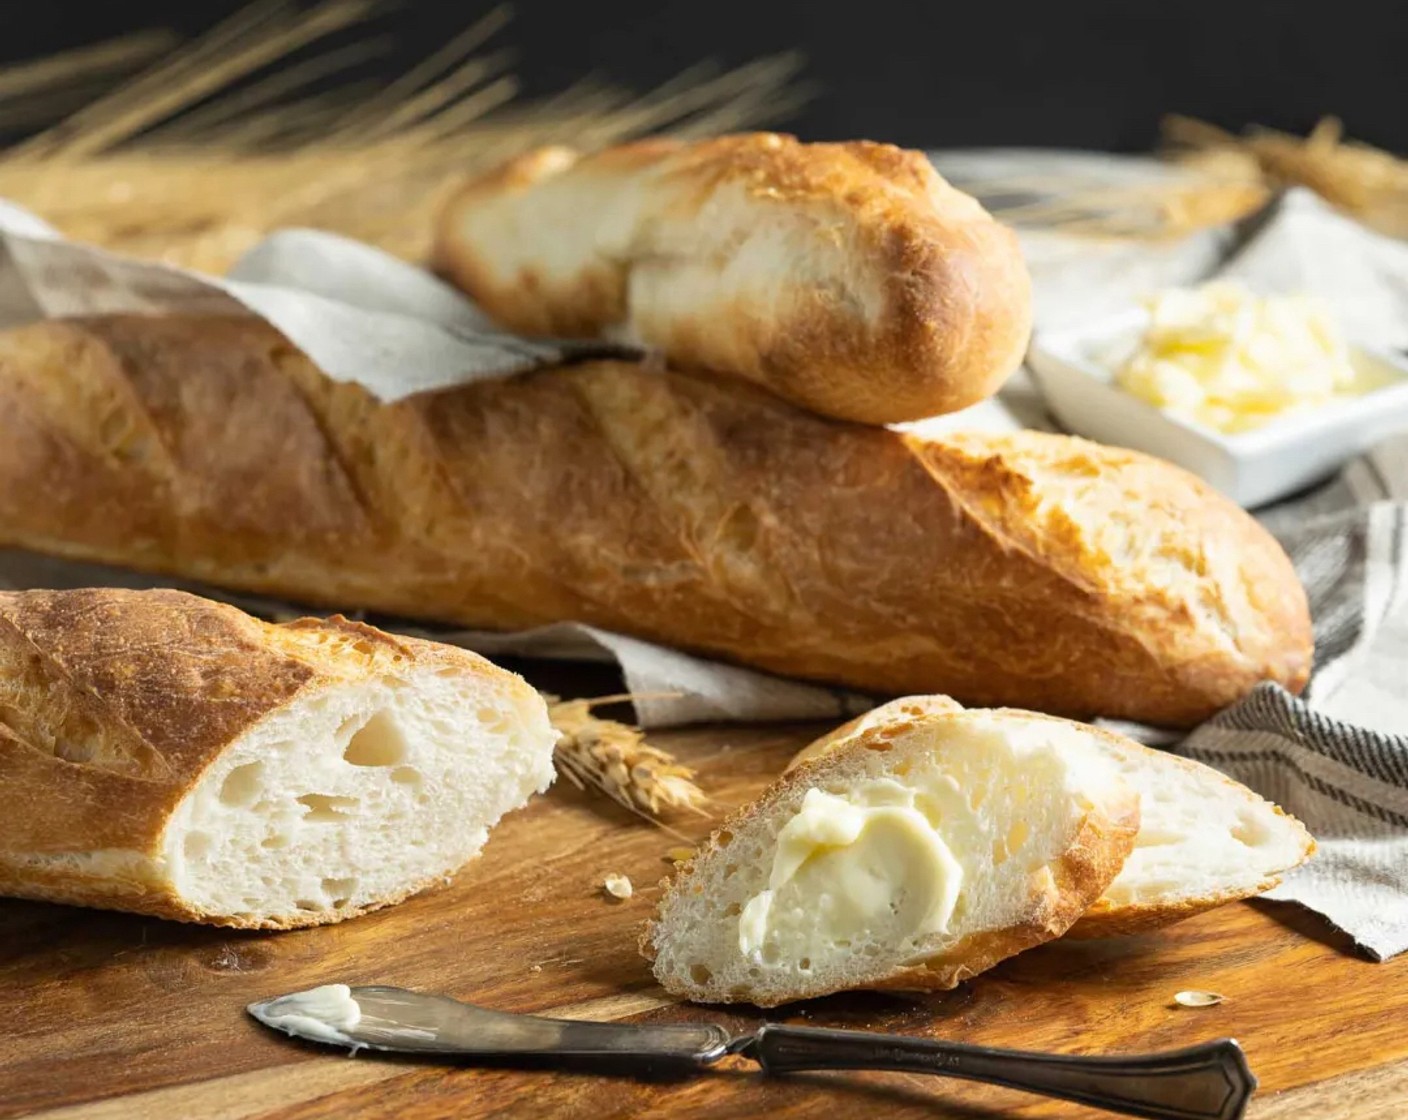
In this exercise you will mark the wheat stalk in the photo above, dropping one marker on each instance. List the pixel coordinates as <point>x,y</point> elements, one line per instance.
<point>1367,182</point>
<point>613,758</point>
<point>205,152</point>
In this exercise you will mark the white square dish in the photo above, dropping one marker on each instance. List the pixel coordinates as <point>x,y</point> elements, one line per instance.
<point>1075,369</point>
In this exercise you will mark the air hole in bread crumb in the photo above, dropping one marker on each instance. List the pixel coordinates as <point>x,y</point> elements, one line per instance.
<point>902,769</point>
<point>805,964</point>
<point>378,743</point>
<point>196,845</point>
<point>278,840</point>
<point>732,910</point>
<point>495,722</point>
<point>1249,831</point>
<point>326,807</point>
<point>304,904</point>
<point>406,776</point>
<point>242,784</point>
<point>699,974</point>
<point>724,838</point>
<point>730,870</point>
<point>977,795</point>
<point>878,745</point>
<point>999,853</point>
<point>340,890</point>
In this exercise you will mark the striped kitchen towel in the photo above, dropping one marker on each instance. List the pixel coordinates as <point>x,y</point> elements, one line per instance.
<point>1337,757</point>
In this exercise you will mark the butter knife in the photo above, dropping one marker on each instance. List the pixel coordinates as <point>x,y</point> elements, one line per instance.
<point>1210,1081</point>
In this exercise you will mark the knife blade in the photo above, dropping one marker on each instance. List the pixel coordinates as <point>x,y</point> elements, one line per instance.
<point>394,1019</point>
<point>1211,1081</point>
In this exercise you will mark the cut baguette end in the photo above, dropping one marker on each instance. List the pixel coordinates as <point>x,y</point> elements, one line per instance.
<point>1036,818</point>
<point>193,763</point>
<point>355,797</point>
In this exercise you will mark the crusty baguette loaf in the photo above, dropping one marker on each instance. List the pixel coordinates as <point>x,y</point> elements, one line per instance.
<point>1204,839</point>
<point>172,756</point>
<point>847,278</point>
<point>1028,570</point>
<point>831,880</point>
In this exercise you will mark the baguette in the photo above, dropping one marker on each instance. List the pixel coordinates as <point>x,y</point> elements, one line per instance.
<point>914,855</point>
<point>1024,570</point>
<point>847,278</point>
<point>171,756</point>
<point>1204,840</point>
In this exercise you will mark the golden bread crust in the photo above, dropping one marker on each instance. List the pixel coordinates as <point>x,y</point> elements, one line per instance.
<point>1024,569</point>
<point>113,704</point>
<point>848,278</point>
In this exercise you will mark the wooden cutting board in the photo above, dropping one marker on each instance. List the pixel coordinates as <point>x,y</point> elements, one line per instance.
<point>117,1017</point>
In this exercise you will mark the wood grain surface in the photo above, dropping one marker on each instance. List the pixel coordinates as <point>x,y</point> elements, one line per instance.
<point>110,1017</point>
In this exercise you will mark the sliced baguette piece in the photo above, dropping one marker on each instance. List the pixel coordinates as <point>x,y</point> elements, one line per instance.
<point>1204,839</point>
<point>172,756</point>
<point>979,837</point>
<point>847,278</point>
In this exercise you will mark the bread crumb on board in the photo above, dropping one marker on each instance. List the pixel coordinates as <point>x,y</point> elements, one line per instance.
<point>618,886</point>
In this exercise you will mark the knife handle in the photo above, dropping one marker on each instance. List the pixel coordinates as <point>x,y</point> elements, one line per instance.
<point>1211,1081</point>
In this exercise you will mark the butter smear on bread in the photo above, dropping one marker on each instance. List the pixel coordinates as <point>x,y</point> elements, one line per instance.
<point>912,855</point>
<point>866,864</point>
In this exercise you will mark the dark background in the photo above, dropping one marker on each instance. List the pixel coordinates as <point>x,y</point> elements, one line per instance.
<point>1086,74</point>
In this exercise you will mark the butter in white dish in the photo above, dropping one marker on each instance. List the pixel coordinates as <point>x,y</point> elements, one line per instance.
<point>1231,360</point>
<point>1076,368</point>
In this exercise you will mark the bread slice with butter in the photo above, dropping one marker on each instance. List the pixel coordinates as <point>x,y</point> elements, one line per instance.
<point>1204,839</point>
<point>915,854</point>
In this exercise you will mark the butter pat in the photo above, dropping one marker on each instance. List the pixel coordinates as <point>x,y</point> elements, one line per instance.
<point>1232,361</point>
<point>869,866</point>
<point>323,1014</point>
